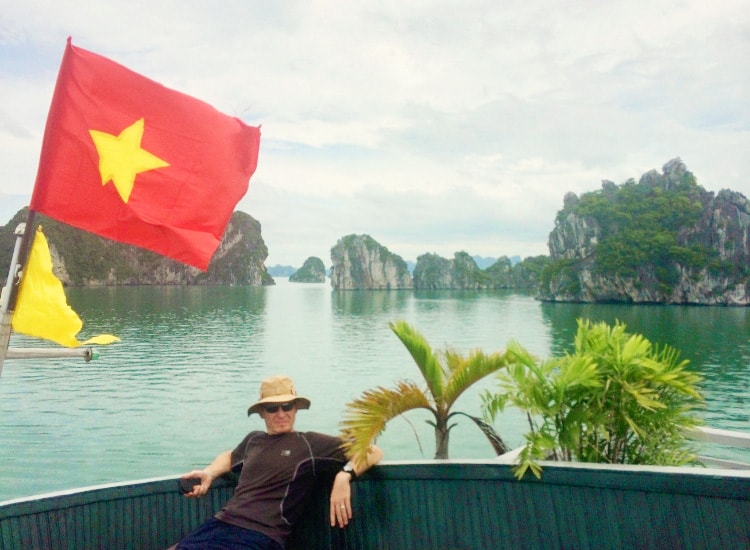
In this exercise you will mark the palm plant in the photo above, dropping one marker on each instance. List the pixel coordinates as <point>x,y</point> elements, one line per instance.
<point>447,375</point>
<point>616,399</point>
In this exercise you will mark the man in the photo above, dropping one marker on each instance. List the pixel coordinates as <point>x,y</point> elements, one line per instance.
<point>279,467</point>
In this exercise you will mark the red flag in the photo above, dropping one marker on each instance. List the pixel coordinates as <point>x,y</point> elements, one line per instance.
<point>131,160</point>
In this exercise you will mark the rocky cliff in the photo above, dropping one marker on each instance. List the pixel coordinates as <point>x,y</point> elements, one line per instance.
<point>83,259</point>
<point>433,272</point>
<point>664,239</point>
<point>361,263</point>
<point>312,271</point>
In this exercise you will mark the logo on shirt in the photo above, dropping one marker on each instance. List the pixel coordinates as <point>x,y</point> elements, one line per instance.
<point>286,452</point>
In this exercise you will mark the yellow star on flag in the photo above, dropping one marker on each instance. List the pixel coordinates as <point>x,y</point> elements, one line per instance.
<point>121,157</point>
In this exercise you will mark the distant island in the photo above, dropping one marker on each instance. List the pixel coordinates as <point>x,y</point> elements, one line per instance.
<point>312,271</point>
<point>661,239</point>
<point>483,262</point>
<point>281,270</point>
<point>81,258</point>
<point>361,263</point>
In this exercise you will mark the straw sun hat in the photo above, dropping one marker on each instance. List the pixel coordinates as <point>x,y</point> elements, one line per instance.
<point>278,389</point>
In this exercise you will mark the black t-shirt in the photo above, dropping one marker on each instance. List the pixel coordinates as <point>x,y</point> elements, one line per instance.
<point>277,478</point>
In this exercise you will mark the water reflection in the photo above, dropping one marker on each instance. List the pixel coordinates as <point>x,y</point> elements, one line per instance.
<point>368,302</point>
<point>698,331</point>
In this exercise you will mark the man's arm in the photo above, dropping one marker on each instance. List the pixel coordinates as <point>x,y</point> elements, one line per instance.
<point>341,501</point>
<point>222,464</point>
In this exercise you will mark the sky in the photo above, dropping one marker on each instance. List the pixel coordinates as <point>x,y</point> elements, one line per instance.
<point>434,126</point>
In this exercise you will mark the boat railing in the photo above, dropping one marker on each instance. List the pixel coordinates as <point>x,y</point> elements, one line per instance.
<point>721,437</point>
<point>425,504</point>
<point>715,436</point>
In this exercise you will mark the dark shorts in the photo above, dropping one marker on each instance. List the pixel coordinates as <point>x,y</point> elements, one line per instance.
<point>218,535</point>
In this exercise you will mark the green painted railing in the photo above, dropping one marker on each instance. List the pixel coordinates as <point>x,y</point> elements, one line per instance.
<point>426,506</point>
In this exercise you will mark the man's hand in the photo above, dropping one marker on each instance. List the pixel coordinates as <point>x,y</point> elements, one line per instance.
<point>341,494</point>
<point>205,483</point>
<point>221,465</point>
<point>341,500</point>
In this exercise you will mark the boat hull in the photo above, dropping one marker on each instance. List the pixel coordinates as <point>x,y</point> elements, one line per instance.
<point>427,504</point>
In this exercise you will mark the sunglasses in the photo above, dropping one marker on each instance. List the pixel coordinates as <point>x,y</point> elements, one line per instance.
<point>286,407</point>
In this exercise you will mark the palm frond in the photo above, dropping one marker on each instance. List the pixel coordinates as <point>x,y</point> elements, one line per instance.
<point>465,371</point>
<point>421,351</point>
<point>365,418</point>
<point>493,437</point>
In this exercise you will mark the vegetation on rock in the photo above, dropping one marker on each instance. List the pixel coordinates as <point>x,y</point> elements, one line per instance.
<point>312,271</point>
<point>433,272</point>
<point>640,224</point>
<point>662,239</point>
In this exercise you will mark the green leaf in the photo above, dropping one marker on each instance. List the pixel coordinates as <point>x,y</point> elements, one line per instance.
<point>616,398</point>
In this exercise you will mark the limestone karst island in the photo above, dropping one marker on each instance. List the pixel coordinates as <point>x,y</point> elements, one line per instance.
<point>661,239</point>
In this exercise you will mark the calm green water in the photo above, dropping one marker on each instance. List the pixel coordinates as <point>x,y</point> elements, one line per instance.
<point>175,392</point>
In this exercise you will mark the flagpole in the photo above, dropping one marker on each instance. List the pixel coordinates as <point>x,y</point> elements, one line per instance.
<point>8,300</point>
<point>46,353</point>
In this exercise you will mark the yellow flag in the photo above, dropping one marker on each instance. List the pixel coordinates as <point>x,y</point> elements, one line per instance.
<point>42,309</point>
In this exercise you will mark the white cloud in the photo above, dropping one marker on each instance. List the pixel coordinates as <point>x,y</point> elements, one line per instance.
<point>434,126</point>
